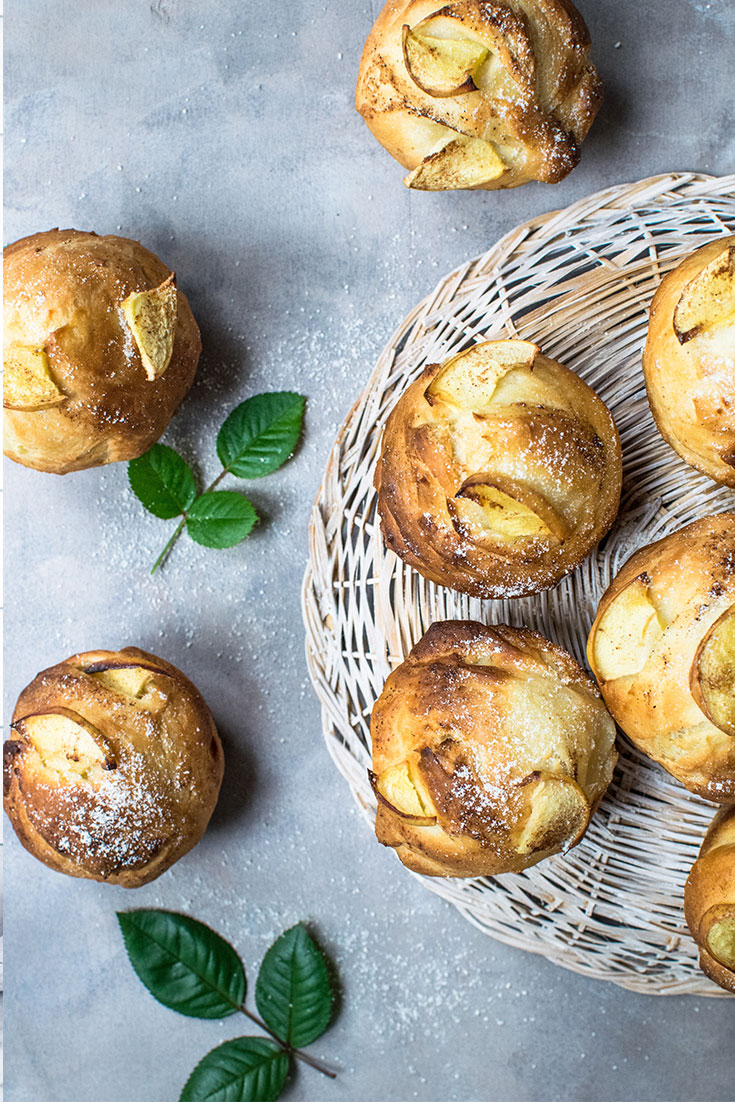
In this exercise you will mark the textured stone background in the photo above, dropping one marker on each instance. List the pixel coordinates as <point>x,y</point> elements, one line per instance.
<point>222,134</point>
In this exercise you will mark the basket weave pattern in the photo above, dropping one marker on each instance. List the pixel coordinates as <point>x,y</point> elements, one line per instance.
<point>578,283</point>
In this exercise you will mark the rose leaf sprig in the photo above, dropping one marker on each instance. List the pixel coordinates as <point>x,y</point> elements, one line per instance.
<point>189,968</point>
<point>256,439</point>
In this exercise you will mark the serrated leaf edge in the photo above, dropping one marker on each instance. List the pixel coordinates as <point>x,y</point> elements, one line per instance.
<point>219,520</point>
<point>289,1039</point>
<point>298,408</point>
<point>125,914</point>
<point>277,1053</point>
<point>136,459</point>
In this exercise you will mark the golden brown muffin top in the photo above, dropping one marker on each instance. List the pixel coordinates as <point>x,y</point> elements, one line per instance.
<point>709,900</point>
<point>499,471</point>
<point>689,359</point>
<point>113,767</point>
<point>491,747</point>
<point>479,93</point>
<point>99,349</point>
<point>662,647</point>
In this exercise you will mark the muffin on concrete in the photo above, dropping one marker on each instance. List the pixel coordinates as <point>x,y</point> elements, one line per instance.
<point>479,93</point>
<point>113,767</point>
<point>99,350</point>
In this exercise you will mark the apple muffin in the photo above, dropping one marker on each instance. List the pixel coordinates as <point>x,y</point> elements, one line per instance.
<point>99,350</point>
<point>491,750</point>
<point>500,470</point>
<point>479,93</point>
<point>662,648</point>
<point>113,767</point>
<point>689,359</point>
<point>709,900</point>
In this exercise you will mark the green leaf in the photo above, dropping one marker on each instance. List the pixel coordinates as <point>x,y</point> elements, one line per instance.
<point>248,1069</point>
<point>220,519</point>
<point>184,964</point>
<point>293,992</point>
<point>162,481</point>
<point>261,433</point>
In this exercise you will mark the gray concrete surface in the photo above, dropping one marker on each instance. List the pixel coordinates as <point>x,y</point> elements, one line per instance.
<point>222,134</point>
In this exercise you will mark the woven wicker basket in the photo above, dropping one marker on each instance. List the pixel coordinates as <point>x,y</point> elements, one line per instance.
<point>577,282</point>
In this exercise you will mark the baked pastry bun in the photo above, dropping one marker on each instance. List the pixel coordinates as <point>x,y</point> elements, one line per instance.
<point>709,900</point>
<point>99,350</point>
<point>113,768</point>
<point>491,749</point>
<point>479,93</point>
<point>662,648</point>
<point>500,470</point>
<point>689,359</point>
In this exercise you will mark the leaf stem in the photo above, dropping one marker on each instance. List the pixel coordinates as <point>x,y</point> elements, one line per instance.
<point>218,479</point>
<point>286,1047</point>
<point>177,532</point>
<point>180,527</point>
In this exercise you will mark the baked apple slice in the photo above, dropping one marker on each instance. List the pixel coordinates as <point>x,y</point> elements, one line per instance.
<point>717,931</point>
<point>468,380</point>
<point>129,678</point>
<point>558,813</point>
<point>441,67</point>
<point>707,302</point>
<point>712,677</point>
<point>505,509</point>
<point>626,634</point>
<point>27,382</point>
<point>397,788</point>
<point>65,742</point>
<point>151,318</point>
<point>460,162</point>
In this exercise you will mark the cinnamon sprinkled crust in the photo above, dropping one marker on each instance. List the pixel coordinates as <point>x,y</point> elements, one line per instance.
<point>78,393</point>
<point>690,376</point>
<point>113,767</point>
<point>499,472</point>
<point>491,749</point>
<point>662,647</point>
<point>709,900</point>
<point>514,76</point>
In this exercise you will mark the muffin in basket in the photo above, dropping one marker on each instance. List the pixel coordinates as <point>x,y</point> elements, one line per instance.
<point>500,470</point>
<point>491,750</point>
<point>689,359</point>
<point>709,900</point>
<point>662,648</point>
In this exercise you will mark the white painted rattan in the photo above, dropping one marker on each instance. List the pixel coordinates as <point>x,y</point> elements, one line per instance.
<point>578,282</point>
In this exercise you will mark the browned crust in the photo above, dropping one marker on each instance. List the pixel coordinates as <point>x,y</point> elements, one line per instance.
<point>449,709</point>
<point>714,971</point>
<point>711,883</point>
<point>538,110</point>
<point>416,479</point>
<point>63,290</point>
<point>701,432</point>
<point>149,804</point>
<point>693,572</point>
